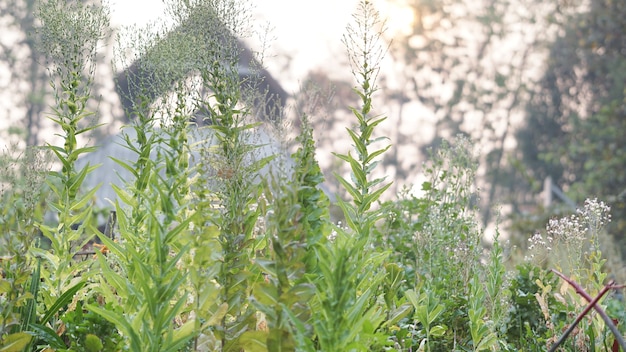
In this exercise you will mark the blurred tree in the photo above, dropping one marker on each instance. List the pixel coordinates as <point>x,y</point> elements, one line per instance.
<point>27,80</point>
<point>576,122</point>
<point>471,64</point>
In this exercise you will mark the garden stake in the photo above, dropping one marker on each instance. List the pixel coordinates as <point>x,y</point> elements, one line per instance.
<point>581,316</point>
<point>592,304</point>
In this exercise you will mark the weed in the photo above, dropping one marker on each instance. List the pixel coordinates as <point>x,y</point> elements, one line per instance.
<point>217,256</point>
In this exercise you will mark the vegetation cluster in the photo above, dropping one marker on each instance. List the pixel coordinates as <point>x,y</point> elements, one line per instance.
<point>214,257</point>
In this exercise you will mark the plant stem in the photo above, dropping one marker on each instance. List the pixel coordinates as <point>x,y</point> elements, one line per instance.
<point>592,304</point>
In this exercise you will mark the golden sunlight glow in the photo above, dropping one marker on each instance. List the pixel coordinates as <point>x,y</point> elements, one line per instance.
<point>399,15</point>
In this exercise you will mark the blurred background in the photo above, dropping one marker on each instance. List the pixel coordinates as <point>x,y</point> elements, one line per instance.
<point>538,85</point>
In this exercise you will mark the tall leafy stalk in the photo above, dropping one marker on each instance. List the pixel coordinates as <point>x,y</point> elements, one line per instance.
<point>313,201</point>
<point>142,270</point>
<point>230,164</point>
<point>363,42</point>
<point>69,37</point>
<point>345,293</point>
<point>296,224</point>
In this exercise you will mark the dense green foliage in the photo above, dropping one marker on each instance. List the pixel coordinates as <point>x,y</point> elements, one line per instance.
<point>577,115</point>
<point>216,257</point>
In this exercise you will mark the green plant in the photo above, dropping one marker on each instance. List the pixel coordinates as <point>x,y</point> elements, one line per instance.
<point>88,331</point>
<point>296,227</point>
<point>284,294</point>
<point>526,319</point>
<point>436,240</point>
<point>218,257</point>
<point>166,226</point>
<point>29,329</point>
<point>68,37</point>
<point>40,326</point>
<point>428,310</point>
<point>158,217</point>
<point>365,53</point>
<point>22,186</point>
<point>313,202</point>
<point>589,332</point>
<point>232,166</point>
<point>345,295</point>
<point>488,301</point>
<point>483,337</point>
<point>496,283</point>
<point>571,244</point>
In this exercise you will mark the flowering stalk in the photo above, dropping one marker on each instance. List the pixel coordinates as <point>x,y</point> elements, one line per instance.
<point>365,54</point>
<point>69,37</point>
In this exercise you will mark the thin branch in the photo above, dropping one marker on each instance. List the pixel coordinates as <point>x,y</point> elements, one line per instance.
<point>592,304</point>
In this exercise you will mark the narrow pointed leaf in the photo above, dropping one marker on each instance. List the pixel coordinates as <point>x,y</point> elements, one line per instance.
<point>62,301</point>
<point>353,192</point>
<point>376,153</point>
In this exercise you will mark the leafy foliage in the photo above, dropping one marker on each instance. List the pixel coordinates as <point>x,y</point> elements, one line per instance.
<point>218,258</point>
<point>576,113</point>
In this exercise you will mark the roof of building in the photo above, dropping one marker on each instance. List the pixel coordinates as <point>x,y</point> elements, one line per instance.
<point>209,40</point>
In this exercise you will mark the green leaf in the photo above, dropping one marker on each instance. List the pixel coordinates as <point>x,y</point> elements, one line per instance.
<point>411,295</point>
<point>259,164</point>
<point>349,213</point>
<point>5,286</point>
<point>28,312</point>
<point>300,293</point>
<point>301,335</point>
<point>126,166</point>
<point>176,231</point>
<point>375,123</point>
<point>15,342</point>
<point>124,196</point>
<point>487,342</point>
<point>60,153</point>
<point>358,172</point>
<point>82,201</point>
<point>372,197</point>
<point>217,317</point>
<point>435,313</point>
<point>376,153</point>
<point>399,314</point>
<point>122,324</point>
<point>77,180</point>
<point>343,157</point>
<point>376,182</point>
<point>279,340</point>
<point>62,301</point>
<point>353,191</point>
<point>114,279</point>
<point>268,266</point>
<point>356,112</point>
<point>182,335</point>
<point>48,335</point>
<point>358,143</point>
<point>89,128</point>
<point>438,330</point>
<point>111,245</point>
<point>247,127</point>
<point>254,341</point>
<point>77,152</point>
